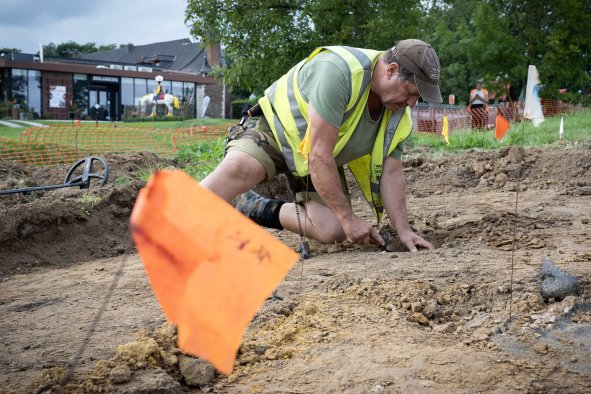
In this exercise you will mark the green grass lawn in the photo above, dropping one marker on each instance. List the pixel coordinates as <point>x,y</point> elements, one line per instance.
<point>15,133</point>
<point>577,127</point>
<point>200,157</point>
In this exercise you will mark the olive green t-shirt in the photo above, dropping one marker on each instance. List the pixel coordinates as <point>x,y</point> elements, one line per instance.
<point>324,83</point>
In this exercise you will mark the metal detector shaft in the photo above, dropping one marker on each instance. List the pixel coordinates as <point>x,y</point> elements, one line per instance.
<point>29,190</point>
<point>82,181</point>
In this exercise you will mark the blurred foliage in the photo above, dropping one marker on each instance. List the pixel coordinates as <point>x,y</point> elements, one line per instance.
<point>201,158</point>
<point>71,49</point>
<point>492,39</point>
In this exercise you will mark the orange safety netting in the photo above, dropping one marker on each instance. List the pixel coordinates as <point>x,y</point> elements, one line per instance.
<point>68,143</point>
<point>429,118</point>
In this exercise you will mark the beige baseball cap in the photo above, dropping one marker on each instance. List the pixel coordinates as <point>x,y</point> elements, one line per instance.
<point>420,59</point>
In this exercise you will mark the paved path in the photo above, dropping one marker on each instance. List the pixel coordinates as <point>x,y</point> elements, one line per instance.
<point>10,124</point>
<point>35,124</point>
<point>21,123</point>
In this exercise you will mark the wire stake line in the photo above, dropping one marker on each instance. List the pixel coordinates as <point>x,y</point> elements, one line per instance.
<point>515,229</point>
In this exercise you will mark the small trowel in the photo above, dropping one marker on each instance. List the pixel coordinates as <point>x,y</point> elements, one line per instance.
<point>385,234</point>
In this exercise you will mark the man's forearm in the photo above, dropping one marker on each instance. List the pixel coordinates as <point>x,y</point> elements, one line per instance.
<point>396,208</point>
<point>326,179</point>
<point>393,191</point>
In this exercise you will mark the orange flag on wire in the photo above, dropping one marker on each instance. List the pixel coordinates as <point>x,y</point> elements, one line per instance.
<point>501,127</point>
<point>210,267</point>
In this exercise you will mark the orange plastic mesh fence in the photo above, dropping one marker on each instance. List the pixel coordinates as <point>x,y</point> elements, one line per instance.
<point>68,143</point>
<point>429,118</point>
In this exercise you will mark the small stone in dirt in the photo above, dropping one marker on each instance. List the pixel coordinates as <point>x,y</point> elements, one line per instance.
<point>556,283</point>
<point>541,348</point>
<point>430,309</point>
<point>311,309</point>
<point>196,372</point>
<point>502,289</point>
<point>447,328</point>
<point>418,317</point>
<point>515,154</point>
<point>150,380</point>
<point>479,169</point>
<point>120,374</point>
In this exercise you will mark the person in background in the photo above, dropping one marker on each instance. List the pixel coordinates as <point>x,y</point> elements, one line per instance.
<point>478,106</point>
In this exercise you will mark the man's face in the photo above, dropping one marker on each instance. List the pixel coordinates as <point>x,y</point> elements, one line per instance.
<point>395,93</point>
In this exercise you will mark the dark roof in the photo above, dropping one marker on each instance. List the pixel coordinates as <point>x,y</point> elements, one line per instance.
<point>178,55</point>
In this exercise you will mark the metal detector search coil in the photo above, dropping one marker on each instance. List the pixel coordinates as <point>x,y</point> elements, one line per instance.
<point>82,181</point>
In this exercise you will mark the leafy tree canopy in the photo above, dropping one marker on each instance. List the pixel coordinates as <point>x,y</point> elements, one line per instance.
<point>72,49</point>
<point>262,39</point>
<point>491,39</point>
<point>10,50</point>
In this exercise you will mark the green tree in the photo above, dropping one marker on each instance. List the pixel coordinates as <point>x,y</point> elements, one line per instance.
<point>493,53</point>
<point>262,39</point>
<point>449,23</point>
<point>491,39</point>
<point>72,49</point>
<point>10,50</point>
<point>555,38</point>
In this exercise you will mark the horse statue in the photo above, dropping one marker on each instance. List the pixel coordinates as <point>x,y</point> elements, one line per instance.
<point>169,100</point>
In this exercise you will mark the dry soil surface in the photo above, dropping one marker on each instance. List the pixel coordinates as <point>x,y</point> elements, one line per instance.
<point>77,313</point>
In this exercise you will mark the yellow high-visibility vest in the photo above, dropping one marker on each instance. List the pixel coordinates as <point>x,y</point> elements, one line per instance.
<point>287,113</point>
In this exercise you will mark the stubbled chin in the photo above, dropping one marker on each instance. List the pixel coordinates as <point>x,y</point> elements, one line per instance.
<point>394,107</point>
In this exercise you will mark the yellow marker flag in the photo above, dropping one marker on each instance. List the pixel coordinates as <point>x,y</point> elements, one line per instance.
<point>210,267</point>
<point>306,144</point>
<point>445,129</point>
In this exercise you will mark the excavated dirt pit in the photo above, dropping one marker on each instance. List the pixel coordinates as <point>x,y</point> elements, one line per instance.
<point>349,319</point>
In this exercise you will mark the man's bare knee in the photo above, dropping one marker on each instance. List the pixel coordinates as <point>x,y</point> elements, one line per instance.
<point>238,172</point>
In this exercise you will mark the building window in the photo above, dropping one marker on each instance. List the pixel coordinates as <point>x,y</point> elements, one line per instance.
<point>177,89</point>
<point>34,92</point>
<point>19,86</point>
<point>80,95</point>
<point>189,96</point>
<point>167,87</point>
<point>127,97</point>
<point>140,89</point>
<point>26,90</point>
<point>152,85</point>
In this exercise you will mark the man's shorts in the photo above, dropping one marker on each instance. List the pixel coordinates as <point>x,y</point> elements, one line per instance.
<point>256,138</point>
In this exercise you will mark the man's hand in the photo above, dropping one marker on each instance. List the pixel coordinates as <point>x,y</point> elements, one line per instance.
<point>393,187</point>
<point>412,241</point>
<point>361,232</point>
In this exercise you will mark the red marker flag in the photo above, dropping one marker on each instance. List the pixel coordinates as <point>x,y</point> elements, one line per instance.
<point>210,267</point>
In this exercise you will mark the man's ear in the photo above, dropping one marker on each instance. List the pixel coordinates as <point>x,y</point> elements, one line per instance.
<point>392,70</point>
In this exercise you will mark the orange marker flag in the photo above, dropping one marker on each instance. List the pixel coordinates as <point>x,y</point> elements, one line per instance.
<point>210,267</point>
<point>501,127</point>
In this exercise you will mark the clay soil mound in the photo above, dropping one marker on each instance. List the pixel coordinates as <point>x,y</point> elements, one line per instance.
<point>349,319</point>
<point>69,225</point>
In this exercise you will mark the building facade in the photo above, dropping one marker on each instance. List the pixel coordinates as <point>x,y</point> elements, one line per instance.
<point>104,85</point>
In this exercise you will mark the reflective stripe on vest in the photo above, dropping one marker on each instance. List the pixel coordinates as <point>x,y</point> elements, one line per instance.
<point>287,111</point>
<point>287,114</point>
<point>367,170</point>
